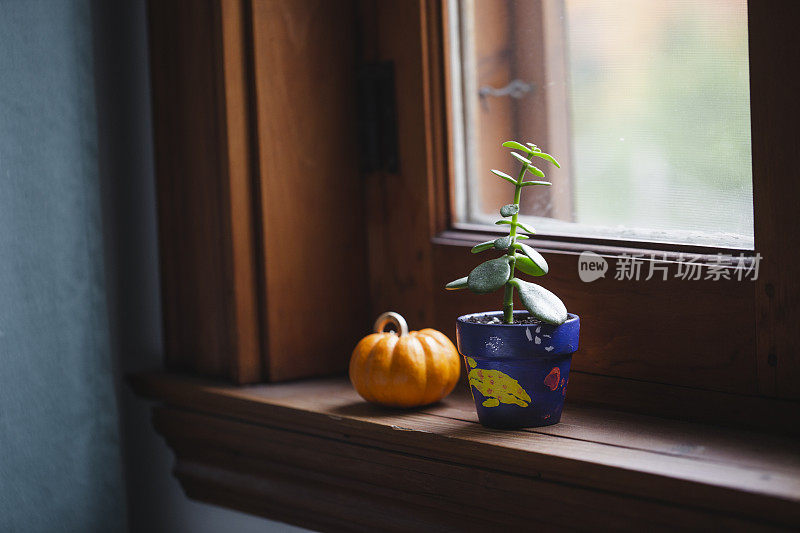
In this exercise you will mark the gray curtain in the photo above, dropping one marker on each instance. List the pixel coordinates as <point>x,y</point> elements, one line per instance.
<point>60,466</point>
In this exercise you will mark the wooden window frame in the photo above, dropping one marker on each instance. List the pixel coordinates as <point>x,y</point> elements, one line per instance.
<point>261,220</point>
<point>236,284</point>
<point>721,344</point>
<point>311,452</point>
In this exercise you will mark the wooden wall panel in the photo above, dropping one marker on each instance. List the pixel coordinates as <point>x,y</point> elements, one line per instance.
<point>261,205</point>
<point>691,341</point>
<point>774,85</point>
<point>203,185</point>
<point>400,215</point>
<point>247,360</point>
<point>310,190</point>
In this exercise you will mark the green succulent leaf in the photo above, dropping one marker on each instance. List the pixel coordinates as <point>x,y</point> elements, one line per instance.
<point>482,246</point>
<point>502,243</point>
<point>509,210</point>
<point>534,256</point>
<point>526,227</point>
<point>536,171</point>
<point>522,225</point>
<point>517,146</point>
<point>489,276</point>
<point>546,157</point>
<point>460,283</point>
<point>540,302</point>
<point>526,265</point>
<point>528,166</point>
<point>520,158</point>
<point>503,175</point>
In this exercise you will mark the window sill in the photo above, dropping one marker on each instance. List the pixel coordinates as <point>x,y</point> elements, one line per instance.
<point>312,453</point>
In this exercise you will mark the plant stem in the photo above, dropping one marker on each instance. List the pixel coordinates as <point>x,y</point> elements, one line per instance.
<point>508,295</point>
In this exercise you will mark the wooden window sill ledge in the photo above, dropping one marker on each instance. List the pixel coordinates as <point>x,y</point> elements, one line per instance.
<point>312,453</point>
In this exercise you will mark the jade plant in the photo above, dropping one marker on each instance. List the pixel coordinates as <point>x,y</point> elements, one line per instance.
<point>493,274</point>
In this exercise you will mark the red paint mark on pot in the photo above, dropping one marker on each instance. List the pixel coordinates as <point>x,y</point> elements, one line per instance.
<point>552,379</point>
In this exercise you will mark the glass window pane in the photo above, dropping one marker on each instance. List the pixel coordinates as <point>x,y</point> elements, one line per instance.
<point>646,102</point>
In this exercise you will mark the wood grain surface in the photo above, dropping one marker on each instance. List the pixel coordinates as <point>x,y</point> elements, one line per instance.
<point>775,113</point>
<point>312,212</point>
<point>437,467</point>
<point>207,246</point>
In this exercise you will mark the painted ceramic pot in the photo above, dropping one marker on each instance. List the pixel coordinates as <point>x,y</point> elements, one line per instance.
<point>518,373</point>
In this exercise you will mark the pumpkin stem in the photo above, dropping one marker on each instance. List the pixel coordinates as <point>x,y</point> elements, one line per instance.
<point>392,318</point>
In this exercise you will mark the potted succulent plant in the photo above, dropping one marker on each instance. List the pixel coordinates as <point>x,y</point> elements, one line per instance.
<point>517,361</point>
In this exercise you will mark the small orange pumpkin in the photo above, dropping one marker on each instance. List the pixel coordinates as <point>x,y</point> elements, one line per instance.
<point>405,370</point>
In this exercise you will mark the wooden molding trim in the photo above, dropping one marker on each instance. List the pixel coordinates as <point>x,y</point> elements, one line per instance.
<point>204,187</point>
<point>261,213</point>
<point>310,189</point>
<point>314,454</point>
<point>686,403</point>
<point>774,116</point>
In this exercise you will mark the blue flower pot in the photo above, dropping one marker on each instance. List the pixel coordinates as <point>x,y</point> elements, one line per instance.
<point>517,373</point>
